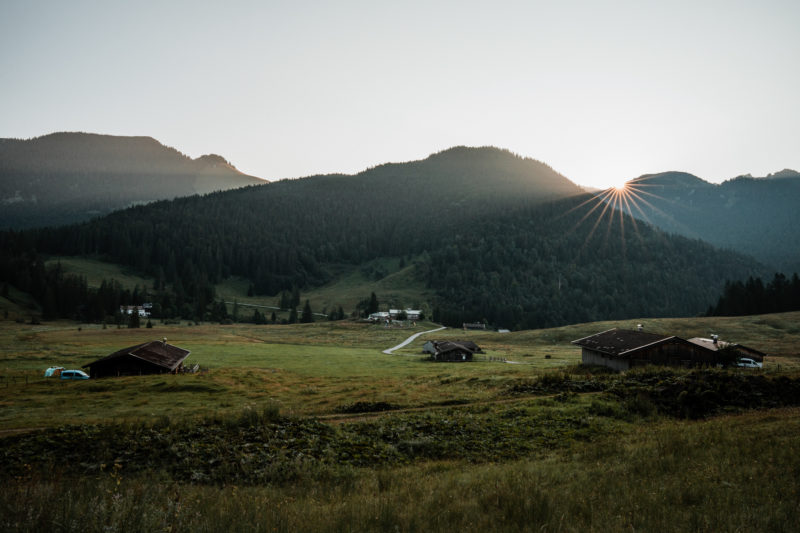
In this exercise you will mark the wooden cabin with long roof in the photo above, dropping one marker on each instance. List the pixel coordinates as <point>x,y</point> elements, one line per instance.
<point>622,349</point>
<point>154,357</point>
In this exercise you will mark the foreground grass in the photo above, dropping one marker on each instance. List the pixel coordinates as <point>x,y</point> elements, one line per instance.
<point>733,473</point>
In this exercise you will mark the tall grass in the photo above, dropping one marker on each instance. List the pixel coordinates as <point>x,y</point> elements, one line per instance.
<point>734,473</point>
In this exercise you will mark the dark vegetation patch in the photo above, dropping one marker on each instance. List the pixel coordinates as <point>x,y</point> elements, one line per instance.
<point>677,393</point>
<point>163,386</point>
<point>702,393</point>
<point>367,407</point>
<point>263,447</point>
<point>266,448</point>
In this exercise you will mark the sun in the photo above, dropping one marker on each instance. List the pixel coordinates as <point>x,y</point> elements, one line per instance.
<point>614,203</point>
<point>620,186</point>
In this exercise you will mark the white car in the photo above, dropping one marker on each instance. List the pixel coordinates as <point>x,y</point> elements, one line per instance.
<point>746,362</point>
<point>74,374</point>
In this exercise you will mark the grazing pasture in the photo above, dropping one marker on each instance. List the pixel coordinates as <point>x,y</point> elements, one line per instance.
<point>310,427</point>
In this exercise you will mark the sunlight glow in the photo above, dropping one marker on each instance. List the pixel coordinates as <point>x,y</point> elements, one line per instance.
<point>623,199</point>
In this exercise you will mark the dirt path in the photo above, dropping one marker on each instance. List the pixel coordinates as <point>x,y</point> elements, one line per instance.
<point>411,339</point>
<point>341,418</point>
<point>17,431</point>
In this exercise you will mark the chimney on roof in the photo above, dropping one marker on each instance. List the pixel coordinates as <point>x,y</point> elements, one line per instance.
<point>714,338</point>
<point>164,342</point>
<point>639,327</point>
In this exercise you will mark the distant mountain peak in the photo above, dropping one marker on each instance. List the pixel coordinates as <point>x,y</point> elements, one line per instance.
<point>67,177</point>
<point>785,173</point>
<point>672,178</point>
<point>495,171</point>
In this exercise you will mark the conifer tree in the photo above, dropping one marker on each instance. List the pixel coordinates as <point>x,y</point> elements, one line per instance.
<point>307,316</point>
<point>373,304</point>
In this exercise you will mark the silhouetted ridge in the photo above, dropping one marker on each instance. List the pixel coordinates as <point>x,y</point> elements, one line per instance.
<point>68,177</point>
<point>755,216</point>
<point>467,172</point>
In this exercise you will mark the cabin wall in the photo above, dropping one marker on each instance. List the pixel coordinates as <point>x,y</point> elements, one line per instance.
<point>675,354</point>
<point>454,356</point>
<point>590,357</point>
<point>128,366</point>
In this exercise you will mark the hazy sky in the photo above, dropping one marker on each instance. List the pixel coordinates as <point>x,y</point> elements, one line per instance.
<point>601,91</point>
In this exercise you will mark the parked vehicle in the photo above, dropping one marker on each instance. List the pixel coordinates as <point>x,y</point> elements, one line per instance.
<point>74,374</point>
<point>53,371</point>
<point>746,362</point>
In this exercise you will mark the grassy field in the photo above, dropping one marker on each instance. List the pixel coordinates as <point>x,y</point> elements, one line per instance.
<point>311,427</point>
<point>307,369</point>
<point>95,271</point>
<point>396,286</point>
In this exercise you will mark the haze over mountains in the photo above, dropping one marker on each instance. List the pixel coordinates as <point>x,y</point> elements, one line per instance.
<point>755,216</point>
<point>69,177</point>
<point>493,235</point>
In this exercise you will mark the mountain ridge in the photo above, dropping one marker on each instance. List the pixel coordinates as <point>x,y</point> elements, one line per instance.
<point>66,177</point>
<point>757,216</point>
<point>491,235</point>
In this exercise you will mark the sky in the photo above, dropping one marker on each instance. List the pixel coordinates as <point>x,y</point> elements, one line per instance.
<point>602,91</point>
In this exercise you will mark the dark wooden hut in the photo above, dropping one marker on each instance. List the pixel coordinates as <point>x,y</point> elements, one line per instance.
<point>453,351</point>
<point>155,357</point>
<point>739,349</point>
<point>432,347</point>
<point>623,349</point>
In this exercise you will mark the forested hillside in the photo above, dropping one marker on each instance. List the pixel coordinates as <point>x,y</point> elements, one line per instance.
<point>756,216</point>
<point>69,177</point>
<point>496,236</point>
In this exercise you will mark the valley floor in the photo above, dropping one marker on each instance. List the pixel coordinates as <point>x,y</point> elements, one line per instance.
<point>312,428</point>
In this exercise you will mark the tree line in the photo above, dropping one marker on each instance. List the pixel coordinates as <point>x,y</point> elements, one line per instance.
<point>754,297</point>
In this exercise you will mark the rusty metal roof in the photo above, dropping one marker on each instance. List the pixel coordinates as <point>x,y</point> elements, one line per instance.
<point>156,352</point>
<point>620,342</point>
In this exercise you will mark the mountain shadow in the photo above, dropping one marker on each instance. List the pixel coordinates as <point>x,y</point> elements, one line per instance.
<point>69,177</point>
<point>494,236</point>
<point>755,216</point>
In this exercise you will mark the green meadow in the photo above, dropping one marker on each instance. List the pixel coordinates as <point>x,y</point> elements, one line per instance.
<point>310,427</point>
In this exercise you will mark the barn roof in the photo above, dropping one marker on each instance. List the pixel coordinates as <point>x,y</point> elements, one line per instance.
<point>620,342</point>
<point>449,346</point>
<point>156,352</point>
<point>714,346</point>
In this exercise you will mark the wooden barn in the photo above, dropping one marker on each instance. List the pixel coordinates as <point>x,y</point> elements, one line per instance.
<point>623,349</point>
<point>431,346</point>
<point>452,351</point>
<point>155,357</point>
<point>741,351</point>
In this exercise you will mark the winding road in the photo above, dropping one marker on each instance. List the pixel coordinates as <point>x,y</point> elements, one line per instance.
<point>411,339</point>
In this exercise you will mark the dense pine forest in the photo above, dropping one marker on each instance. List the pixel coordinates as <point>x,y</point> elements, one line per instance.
<point>754,297</point>
<point>497,237</point>
<point>754,216</point>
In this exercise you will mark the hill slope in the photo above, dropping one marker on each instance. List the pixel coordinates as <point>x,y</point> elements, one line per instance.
<point>756,216</point>
<point>492,235</point>
<point>69,177</point>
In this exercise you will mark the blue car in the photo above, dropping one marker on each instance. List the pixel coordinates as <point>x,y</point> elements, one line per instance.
<point>74,374</point>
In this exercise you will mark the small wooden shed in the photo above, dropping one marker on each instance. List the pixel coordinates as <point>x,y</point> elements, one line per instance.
<point>741,351</point>
<point>622,349</point>
<point>154,357</point>
<point>432,347</point>
<point>452,351</point>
